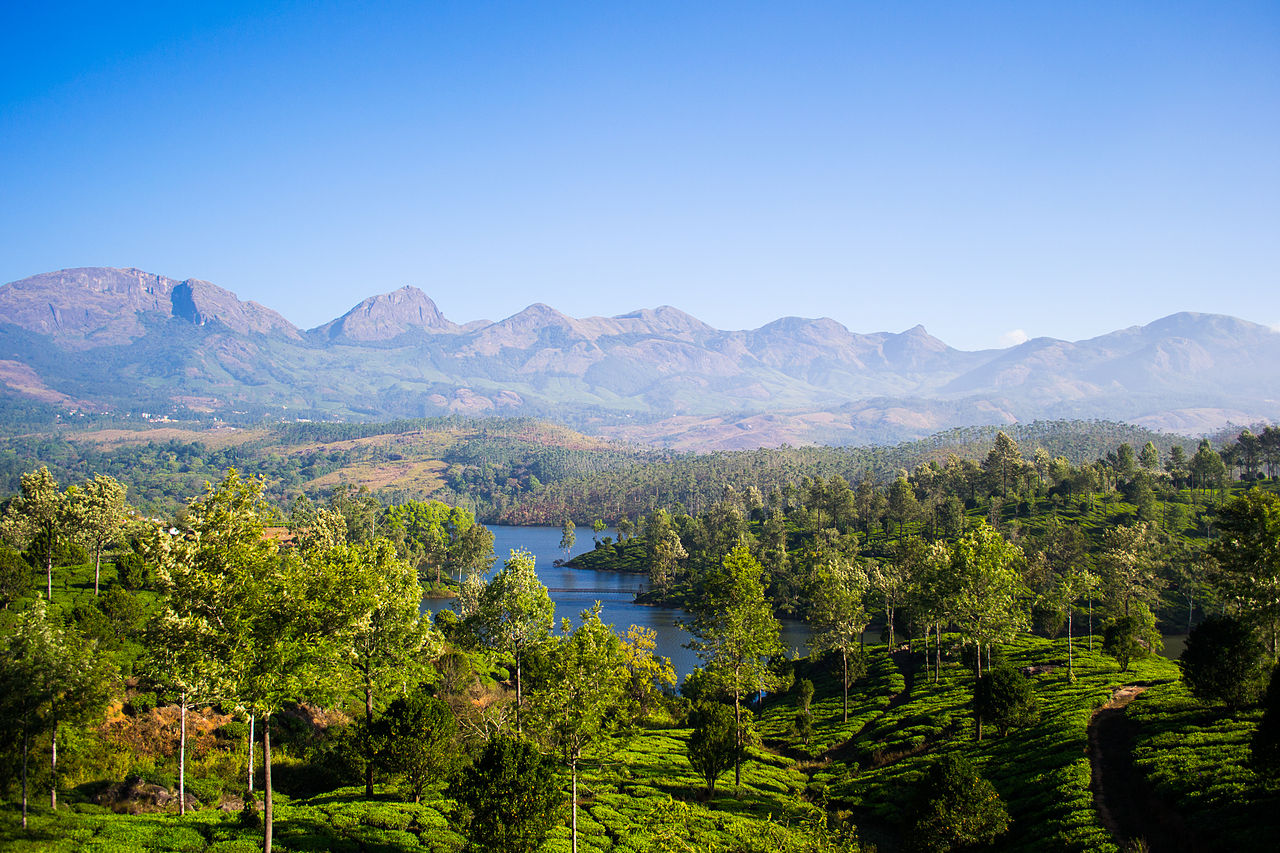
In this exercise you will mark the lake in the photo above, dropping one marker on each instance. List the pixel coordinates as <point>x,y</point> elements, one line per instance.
<point>575,590</point>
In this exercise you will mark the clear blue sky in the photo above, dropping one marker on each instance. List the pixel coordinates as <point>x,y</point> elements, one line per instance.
<point>1058,168</point>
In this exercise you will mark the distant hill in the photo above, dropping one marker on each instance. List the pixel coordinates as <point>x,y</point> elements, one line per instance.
<point>124,340</point>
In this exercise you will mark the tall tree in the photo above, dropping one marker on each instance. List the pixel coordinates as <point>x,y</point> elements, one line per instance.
<point>515,612</point>
<point>586,702</point>
<point>1127,567</point>
<point>989,602</point>
<point>387,637</point>
<point>1003,463</point>
<point>713,742</point>
<point>735,632</point>
<point>37,516</point>
<point>98,512</point>
<point>568,537</point>
<point>1248,559</point>
<point>271,624</point>
<point>510,798</point>
<point>838,614</point>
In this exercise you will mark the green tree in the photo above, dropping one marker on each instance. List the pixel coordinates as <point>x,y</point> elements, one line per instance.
<point>510,798</point>
<point>97,512</point>
<point>1224,661</point>
<point>989,599</point>
<point>515,611</point>
<point>713,742</point>
<point>1003,464</point>
<point>15,577</point>
<point>1149,459</point>
<point>271,626</point>
<point>568,538</point>
<point>1247,552</point>
<point>734,632</point>
<point>49,677</point>
<point>1132,636</point>
<point>586,702</point>
<point>1004,698</point>
<point>838,615</point>
<point>1127,567</point>
<point>417,738</point>
<point>387,636</point>
<point>955,808</point>
<point>37,515</point>
<point>1264,748</point>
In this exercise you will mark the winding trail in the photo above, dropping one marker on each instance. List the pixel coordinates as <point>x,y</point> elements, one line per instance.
<point>1125,803</point>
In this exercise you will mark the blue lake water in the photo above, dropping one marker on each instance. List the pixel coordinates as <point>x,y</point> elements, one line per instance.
<point>575,590</point>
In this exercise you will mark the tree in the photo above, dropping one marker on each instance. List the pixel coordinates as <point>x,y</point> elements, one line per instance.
<point>1248,559</point>
<point>713,743</point>
<point>988,604</point>
<point>387,634</point>
<point>734,632</point>
<point>955,808</point>
<point>1132,636</point>
<point>37,516</point>
<point>97,512</point>
<point>436,538</point>
<point>568,537</point>
<point>1005,698</point>
<point>1264,749</point>
<point>1224,661</point>
<point>515,612</point>
<point>417,737</point>
<point>803,725</point>
<point>903,506</point>
<point>1003,463</point>
<point>1207,469</point>
<point>586,702</point>
<point>1127,567</point>
<point>838,615</point>
<point>510,797</point>
<point>49,677</point>
<point>1067,589</point>
<point>270,626</point>
<point>1149,459</point>
<point>649,672</point>
<point>15,577</point>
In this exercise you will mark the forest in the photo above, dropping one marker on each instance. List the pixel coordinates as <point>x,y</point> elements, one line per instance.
<point>248,672</point>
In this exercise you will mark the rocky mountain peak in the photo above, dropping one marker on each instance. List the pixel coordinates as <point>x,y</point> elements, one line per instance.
<point>387,316</point>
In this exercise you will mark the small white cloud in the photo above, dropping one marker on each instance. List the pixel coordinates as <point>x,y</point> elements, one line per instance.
<point>1013,338</point>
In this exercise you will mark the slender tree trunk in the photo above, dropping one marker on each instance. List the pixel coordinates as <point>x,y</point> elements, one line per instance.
<point>53,770</point>
<point>368,739</point>
<point>737,733</point>
<point>1071,666</point>
<point>937,651</point>
<point>573,774</point>
<point>1090,620</point>
<point>267,812</point>
<point>844,659</point>
<point>252,749</point>
<point>26,749</point>
<point>48,569</point>
<point>519,696</point>
<point>97,568</point>
<point>182,759</point>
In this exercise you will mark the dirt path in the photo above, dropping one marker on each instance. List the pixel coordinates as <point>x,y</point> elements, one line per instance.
<point>1125,803</point>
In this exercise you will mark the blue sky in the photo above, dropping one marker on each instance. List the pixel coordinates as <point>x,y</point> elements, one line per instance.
<point>1061,169</point>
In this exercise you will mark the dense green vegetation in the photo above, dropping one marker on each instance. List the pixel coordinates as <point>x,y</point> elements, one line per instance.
<point>1015,597</point>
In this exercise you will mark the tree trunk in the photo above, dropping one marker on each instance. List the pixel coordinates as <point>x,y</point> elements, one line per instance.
<point>266,784</point>
<point>97,568</point>
<point>737,733</point>
<point>937,651</point>
<point>53,771</point>
<point>368,739</point>
<point>182,759</point>
<point>844,659</point>
<point>1091,620</point>
<point>252,747</point>
<point>48,569</point>
<point>573,775</point>
<point>1071,665</point>
<point>26,744</point>
<point>519,730</point>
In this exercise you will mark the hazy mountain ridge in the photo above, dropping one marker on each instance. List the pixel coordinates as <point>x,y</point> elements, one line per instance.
<point>124,339</point>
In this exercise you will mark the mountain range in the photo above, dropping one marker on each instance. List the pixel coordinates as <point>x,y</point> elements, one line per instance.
<point>124,340</point>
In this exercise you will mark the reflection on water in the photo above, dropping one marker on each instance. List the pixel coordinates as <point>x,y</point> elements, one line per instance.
<point>575,590</point>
